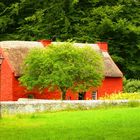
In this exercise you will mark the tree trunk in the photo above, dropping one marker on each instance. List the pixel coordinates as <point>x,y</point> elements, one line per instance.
<point>63,96</point>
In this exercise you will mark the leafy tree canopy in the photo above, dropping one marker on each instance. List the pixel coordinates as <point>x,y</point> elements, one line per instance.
<point>114,21</point>
<point>63,66</point>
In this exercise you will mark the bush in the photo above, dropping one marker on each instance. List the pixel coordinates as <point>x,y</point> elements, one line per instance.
<point>122,96</point>
<point>133,104</point>
<point>131,85</point>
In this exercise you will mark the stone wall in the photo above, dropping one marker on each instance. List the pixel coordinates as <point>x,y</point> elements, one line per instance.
<point>31,106</point>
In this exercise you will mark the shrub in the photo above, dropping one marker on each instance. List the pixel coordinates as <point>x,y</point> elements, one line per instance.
<point>122,96</point>
<point>133,104</point>
<point>131,85</point>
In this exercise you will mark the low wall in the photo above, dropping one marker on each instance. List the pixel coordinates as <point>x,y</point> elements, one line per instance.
<point>31,106</point>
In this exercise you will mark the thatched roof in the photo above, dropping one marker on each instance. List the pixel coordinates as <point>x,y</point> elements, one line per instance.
<point>111,69</point>
<point>16,51</point>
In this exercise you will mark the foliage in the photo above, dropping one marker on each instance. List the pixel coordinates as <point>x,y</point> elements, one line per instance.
<point>116,22</point>
<point>132,85</point>
<point>63,66</point>
<point>122,96</point>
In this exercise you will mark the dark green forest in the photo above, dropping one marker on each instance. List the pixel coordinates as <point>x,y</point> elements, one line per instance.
<point>114,21</point>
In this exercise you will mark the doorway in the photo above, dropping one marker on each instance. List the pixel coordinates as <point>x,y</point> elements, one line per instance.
<point>81,96</point>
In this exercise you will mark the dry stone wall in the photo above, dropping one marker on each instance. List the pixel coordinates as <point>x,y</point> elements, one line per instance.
<point>32,106</point>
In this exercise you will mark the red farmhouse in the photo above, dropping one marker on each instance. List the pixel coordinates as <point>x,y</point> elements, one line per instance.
<point>13,52</point>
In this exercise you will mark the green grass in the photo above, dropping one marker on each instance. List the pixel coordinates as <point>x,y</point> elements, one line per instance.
<point>99,124</point>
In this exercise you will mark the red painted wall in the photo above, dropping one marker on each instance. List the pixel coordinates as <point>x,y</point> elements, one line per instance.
<point>71,95</point>
<point>21,92</point>
<point>110,85</point>
<point>6,80</point>
<point>12,90</point>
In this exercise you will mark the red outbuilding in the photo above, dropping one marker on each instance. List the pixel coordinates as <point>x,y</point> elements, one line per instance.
<point>12,54</point>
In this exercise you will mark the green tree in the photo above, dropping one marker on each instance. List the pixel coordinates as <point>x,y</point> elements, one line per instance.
<point>63,66</point>
<point>114,21</point>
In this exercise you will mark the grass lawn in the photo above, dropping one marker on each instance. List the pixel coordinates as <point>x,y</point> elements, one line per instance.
<point>98,124</point>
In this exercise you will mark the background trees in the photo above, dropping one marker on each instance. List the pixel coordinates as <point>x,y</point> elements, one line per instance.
<point>116,22</point>
<point>63,66</point>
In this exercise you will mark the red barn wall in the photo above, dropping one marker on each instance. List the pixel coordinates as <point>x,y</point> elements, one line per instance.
<point>110,85</point>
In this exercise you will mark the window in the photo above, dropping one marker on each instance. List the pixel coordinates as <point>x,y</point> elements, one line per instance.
<point>30,96</point>
<point>94,95</point>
